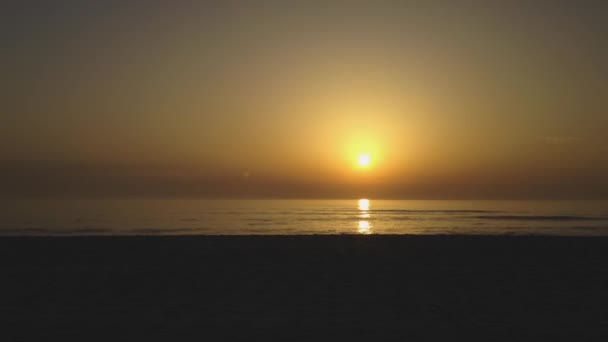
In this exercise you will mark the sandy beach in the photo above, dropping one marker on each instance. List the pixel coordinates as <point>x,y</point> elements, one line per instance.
<point>306,288</point>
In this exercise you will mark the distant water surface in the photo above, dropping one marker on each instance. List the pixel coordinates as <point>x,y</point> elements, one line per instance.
<point>271,217</point>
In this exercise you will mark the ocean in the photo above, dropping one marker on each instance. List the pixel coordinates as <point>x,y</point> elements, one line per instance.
<point>300,217</point>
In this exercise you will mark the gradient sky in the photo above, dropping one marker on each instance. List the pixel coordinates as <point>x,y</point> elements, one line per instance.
<point>452,99</point>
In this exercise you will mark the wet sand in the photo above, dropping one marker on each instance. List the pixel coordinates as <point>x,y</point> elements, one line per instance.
<point>306,288</point>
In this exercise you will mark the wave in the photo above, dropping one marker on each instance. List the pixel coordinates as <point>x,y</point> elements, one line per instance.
<point>590,229</point>
<point>163,230</point>
<point>539,218</point>
<point>355,210</point>
<point>410,211</point>
<point>54,231</point>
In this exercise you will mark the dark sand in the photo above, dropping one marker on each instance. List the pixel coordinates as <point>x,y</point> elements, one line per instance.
<point>364,288</point>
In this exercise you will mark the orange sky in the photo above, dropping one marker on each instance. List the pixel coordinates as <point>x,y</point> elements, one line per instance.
<point>484,100</point>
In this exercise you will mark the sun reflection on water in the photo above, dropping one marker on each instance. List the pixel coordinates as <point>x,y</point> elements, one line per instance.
<point>364,227</point>
<point>364,204</point>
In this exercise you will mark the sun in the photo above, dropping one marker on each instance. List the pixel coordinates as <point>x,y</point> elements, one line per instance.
<point>364,160</point>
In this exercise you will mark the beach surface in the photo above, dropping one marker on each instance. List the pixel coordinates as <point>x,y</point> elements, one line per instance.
<point>305,288</point>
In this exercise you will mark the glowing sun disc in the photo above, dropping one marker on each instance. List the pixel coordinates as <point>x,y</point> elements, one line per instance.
<point>364,160</point>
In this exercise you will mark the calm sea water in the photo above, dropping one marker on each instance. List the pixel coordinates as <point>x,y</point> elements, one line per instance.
<point>228,217</point>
